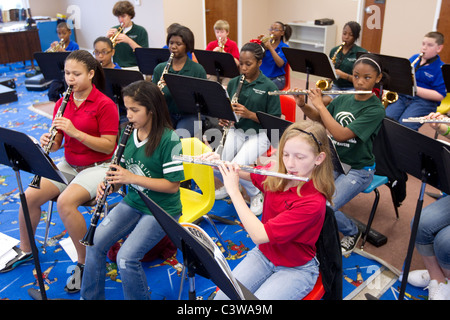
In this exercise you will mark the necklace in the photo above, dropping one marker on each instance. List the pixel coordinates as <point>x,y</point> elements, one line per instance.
<point>79,100</point>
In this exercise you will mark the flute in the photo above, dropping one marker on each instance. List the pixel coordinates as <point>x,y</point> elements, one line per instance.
<point>249,169</point>
<point>424,120</point>
<point>306,92</point>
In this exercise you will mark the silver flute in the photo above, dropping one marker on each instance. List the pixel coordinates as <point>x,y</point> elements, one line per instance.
<point>306,92</point>
<point>250,169</point>
<point>424,120</point>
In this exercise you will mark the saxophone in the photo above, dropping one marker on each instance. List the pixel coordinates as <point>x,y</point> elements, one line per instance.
<point>36,182</point>
<point>88,239</point>
<point>226,128</point>
<point>161,82</point>
<point>333,59</point>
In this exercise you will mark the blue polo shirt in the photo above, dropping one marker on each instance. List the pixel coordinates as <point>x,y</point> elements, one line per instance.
<point>269,67</point>
<point>430,76</point>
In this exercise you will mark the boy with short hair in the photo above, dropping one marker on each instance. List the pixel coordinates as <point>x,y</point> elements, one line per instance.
<point>430,84</point>
<point>222,43</point>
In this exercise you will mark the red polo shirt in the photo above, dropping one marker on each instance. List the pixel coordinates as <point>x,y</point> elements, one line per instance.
<point>230,47</point>
<point>96,116</point>
<point>292,223</point>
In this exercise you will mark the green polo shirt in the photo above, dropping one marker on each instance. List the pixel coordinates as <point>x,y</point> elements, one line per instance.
<point>364,119</point>
<point>254,96</point>
<point>124,54</point>
<point>190,69</point>
<point>158,165</point>
<point>344,62</point>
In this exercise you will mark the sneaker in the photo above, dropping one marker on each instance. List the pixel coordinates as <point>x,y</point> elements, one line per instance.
<point>441,292</point>
<point>348,243</point>
<point>221,193</point>
<point>20,258</point>
<point>417,278</point>
<point>256,204</point>
<point>73,283</point>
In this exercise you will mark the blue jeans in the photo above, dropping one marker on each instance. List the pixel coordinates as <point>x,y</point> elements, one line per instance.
<point>347,187</point>
<point>408,106</point>
<point>433,233</point>
<point>279,81</point>
<point>143,231</point>
<point>186,125</point>
<point>269,282</point>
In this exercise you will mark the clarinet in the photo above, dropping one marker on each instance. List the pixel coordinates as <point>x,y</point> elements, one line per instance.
<point>234,100</point>
<point>36,182</point>
<point>161,83</point>
<point>88,239</point>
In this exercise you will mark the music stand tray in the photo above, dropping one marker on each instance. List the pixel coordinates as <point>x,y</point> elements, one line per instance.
<point>21,153</point>
<point>148,58</point>
<point>220,64</point>
<point>423,158</point>
<point>201,255</point>
<point>51,64</point>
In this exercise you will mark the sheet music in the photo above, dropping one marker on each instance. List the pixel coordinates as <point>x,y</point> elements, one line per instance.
<point>6,251</point>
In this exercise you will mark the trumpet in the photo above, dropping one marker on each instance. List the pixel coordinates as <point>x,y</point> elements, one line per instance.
<point>116,34</point>
<point>306,92</point>
<point>59,45</point>
<point>245,168</point>
<point>161,82</point>
<point>36,182</point>
<point>221,44</point>
<point>324,84</point>
<point>389,97</point>
<point>333,59</point>
<point>265,38</point>
<point>234,100</point>
<point>88,239</point>
<point>425,120</point>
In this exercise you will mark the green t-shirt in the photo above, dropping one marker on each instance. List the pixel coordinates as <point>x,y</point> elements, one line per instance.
<point>344,62</point>
<point>190,69</point>
<point>124,55</point>
<point>364,119</point>
<point>254,96</point>
<point>158,165</point>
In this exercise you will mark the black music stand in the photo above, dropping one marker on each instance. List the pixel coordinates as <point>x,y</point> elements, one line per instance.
<point>116,79</point>
<point>198,258</point>
<point>19,152</point>
<point>277,126</point>
<point>400,74</point>
<point>148,58</point>
<point>200,96</point>
<point>423,158</point>
<point>51,64</point>
<point>220,64</point>
<point>446,74</point>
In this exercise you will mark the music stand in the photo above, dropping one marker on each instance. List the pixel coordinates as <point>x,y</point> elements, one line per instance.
<point>200,96</point>
<point>198,256</point>
<point>270,122</point>
<point>21,153</point>
<point>220,64</point>
<point>51,64</point>
<point>446,75</point>
<point>423,158</point>
<point>148,58</point>
<point>400,74</point>
<point>116,79</point>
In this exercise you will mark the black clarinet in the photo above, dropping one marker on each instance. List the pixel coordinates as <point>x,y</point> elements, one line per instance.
<point>88,239</point>
<point>36,182</point>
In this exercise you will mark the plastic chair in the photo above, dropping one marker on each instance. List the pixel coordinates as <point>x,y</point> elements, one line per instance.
<point>317,292</point>
<point>287,75</point>
<point>196,204</point>
<point>376,183</point>
<point>444,107</point>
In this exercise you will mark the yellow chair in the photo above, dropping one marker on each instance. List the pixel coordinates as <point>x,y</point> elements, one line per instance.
<point>196,204</point>
<point>444,107</point>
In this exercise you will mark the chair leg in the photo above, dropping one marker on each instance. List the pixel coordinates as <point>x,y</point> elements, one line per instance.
<point>393,202</point>
<point>47,226</point>
<point>371,217</point>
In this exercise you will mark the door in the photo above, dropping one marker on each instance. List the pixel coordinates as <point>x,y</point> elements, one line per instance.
<point>221,10</point>
<point>443,26</point>
<point>372,28</point>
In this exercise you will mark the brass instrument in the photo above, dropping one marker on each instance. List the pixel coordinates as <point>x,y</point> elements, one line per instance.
<point>265,38</point>
<point>324,84</point>
<point>425,120</point>
<point>161,82</point>
<point>306,92</point>
<point>88,239</point>
<point>333,59</point>
<point>116,34</point>
<point>234,100</point>
<point>389,97</point>
<point>56,48</point>
<point>245,168</point>
<point>221,44</point>
<point>36,182</point>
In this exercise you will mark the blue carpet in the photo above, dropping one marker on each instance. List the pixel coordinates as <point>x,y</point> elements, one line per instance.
<point>163,276</point>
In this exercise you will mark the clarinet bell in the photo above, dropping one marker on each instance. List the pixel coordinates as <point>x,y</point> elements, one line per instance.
<point>88,239</point>
<point>36,182</point>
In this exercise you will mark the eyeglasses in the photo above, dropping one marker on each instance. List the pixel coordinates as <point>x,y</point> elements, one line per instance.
<point>313,136</point>
<point>276,30</point>
<point>103,53</point>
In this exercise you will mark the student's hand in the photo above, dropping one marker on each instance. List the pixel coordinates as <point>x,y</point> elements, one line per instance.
<point>315,96</point>
<point>111,32</point>
<point>241,111</point>
<point>435,115</point>
<point>100,190</point>
<point>209,156</point>
<point>230,175</point>
<point>45,139</point>
<point>119,176</point>
<point>299,99</point>
<point>224,122</point>
<point>66,125</point>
